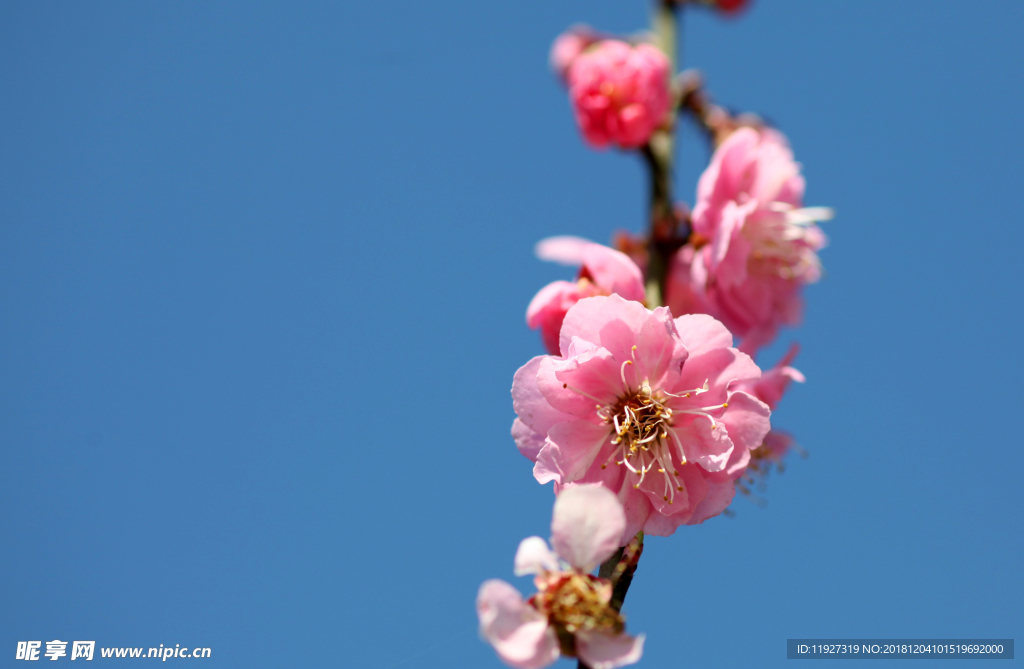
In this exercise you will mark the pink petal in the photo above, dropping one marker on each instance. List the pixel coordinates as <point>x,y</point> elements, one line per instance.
<point>607,651</point>
<point>587,525</point>
<point>720,368</point>
<point>549,298</point>
<point>695,486</point>
<point>533,557</point>
<point>589,317</point>
<point>518,632</point>
<point>702,442</point>
<point>613,271</point>
<point>547,309</point>
<point>528,442</point>
<point>564,249</point>
<point>612,477</point>
<point>718,497</point>
<point>528,401</point>
<point>580,383</point>
<point>730,250</point>
<point>747,420</point>
<point>659,351</point>
<point>569,451</point>
<point>701,333</point>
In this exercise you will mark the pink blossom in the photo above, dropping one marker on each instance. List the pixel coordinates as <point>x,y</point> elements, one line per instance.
<point>754,245</point>
<point>568,46</point>
<point>571,612</point>
<point>603,271</point>
<point>619,92</point>
<point>648,406</point>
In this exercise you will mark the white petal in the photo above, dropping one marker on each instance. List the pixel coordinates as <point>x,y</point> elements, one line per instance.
<point>519,634</point>
<point>809,215</point>
<point>534,556</point>
<point>587,525</point>
<point>607,651</point>
<point>565,249</point>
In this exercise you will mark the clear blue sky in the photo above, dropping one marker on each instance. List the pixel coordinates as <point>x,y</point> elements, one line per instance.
<point>263,271</point>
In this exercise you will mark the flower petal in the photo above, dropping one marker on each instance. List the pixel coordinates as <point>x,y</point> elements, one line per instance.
<point>529,403</point>
<point>533,557</point>
<point>613,271</point>
<point>718,497</point>
<point>701,333</point>
<point>587,525</point>
<point>519,633</point>
<point>607,651</point>
<point>613,477</point>
<point>590,316</point>
<point>528,442</point>
<point>747,419</point>
<point>571,449</point>
<point>579,384</point>
<point>563,249</point>
<point>547,310</point>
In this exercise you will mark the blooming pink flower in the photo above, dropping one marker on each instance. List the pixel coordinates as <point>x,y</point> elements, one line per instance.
<point>603,271</point>
<point>619,92</point>
<point>754,245</point>
<point>645,405</point>
<point>568,46</point>
<point>571,612</point>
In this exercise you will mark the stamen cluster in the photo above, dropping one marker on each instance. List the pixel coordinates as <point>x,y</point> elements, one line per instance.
<point>573,601</point>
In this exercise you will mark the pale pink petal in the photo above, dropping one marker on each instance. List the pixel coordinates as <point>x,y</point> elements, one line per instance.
<point>570,450</point>
<point>587,525</point>
<point>528,401</point>
<point>695,489</point>
<point>589,317</point>
<point>546,467</point>
<point>720,368</point>
<point>723,179</point>
<point>705,443</point>
<point>718,497</point>
<point>701,333</point>
<point>613,272</point>
<point>577,385</point>
<point>612,477</point>
<point>607,651</point>
<point>519,633</point>
<point>747,420</point>
<point>528,442</point>
<point>730,250</point>
<point>533,557</point>
<point>548,308</point>
<point>549,298</point>
<point>564,249</point>
<point>659,351</point>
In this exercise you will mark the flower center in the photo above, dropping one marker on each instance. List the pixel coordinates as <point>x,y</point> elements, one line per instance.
<point>642,421</point>
<point>574,601</point>
<point>643,426</point>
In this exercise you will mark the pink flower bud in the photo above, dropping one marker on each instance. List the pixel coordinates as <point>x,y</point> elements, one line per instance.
<point>619,93</point>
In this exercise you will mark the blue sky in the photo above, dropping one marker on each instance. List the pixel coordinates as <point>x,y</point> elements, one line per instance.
<point>263,271</point>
